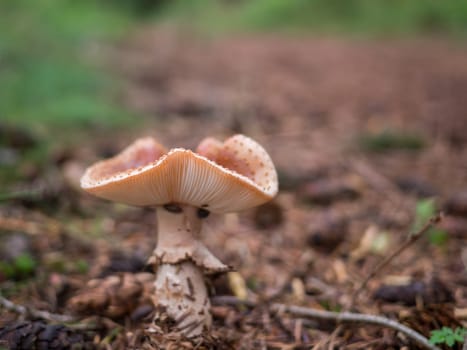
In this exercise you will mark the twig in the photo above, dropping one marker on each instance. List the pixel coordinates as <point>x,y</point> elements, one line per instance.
<point>28,311</point>
<point>339,317</point>
<point>332,338</point>
<point>412,238</point>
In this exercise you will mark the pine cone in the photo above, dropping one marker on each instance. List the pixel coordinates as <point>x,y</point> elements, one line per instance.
<point>37,335</point>
<point>115,296</point>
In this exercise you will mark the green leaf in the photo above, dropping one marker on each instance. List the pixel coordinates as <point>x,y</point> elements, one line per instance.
<point>450,341</point>
<point>425,209</point>
<point>460,333</point>
<point>437,236</point>
<point>7,269</point>
<point>82,266</point>
<point>436,338</point>
<point>24,264</point>
<point>447,336</point>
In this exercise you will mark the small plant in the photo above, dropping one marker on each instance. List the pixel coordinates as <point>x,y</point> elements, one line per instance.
<point>81,266</point>
<point>448,336</point>
<point>424,210</point>
<point>21,267</point>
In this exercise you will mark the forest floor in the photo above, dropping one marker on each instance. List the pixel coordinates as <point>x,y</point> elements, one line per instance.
<point>369,139</point>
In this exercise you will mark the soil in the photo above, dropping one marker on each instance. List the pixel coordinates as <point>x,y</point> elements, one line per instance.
<point>362,133</point>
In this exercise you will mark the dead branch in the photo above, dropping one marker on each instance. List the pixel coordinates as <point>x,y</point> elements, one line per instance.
<point>29,311</point>
<point>338,317</point>
<point>412,238</point>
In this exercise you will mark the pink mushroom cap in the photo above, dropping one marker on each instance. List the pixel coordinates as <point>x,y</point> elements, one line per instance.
<point>222,177</point>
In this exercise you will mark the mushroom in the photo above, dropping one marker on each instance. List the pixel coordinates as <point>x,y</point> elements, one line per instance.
<point>185,186</point>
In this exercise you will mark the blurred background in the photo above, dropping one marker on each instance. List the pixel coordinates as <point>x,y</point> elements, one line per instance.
<point>70,67</point>
<point>361,104</point>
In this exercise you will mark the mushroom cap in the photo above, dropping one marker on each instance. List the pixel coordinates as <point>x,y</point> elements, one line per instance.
<point>240,176</point>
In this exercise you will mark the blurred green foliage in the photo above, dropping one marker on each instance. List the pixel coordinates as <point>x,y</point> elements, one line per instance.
<point>388,140</point>
<point>82,266</point>
<point>21,267</point>
<point>62,264</point>
<point>48,54</point>
<point>336,16</point>
<point>448,336</point>
<point>424,210</point>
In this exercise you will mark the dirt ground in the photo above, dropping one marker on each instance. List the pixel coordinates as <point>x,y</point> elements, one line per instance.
<point>361,132</point>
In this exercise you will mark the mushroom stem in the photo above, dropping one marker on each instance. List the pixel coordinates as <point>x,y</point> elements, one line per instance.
<point>181,293</point>
<point>180,261</point>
